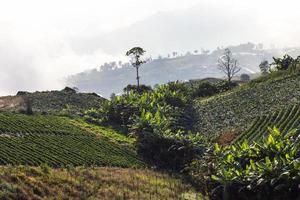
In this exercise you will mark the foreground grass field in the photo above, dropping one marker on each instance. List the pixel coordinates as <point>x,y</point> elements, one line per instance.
<point>57,141</point>
<point>90,183</point>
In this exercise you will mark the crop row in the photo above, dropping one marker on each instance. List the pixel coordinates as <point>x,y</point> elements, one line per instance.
<point>23,124</point>
<point>285,120</point>
<point>62,150</point>
<point>236,110</point>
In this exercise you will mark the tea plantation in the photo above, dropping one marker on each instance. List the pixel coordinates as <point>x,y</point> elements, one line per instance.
<point>285,120</point>
<point>34,140</point>
<point>237,109</point>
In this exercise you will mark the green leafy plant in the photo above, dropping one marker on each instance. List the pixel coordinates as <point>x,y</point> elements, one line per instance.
<point>260,170</point>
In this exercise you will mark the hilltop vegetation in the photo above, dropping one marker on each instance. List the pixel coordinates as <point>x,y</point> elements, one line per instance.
<point>35,140</point>
<point>65,102</point>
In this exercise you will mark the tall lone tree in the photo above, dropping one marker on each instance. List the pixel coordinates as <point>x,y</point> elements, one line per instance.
<point>228,65</point>
<point>136,53</point>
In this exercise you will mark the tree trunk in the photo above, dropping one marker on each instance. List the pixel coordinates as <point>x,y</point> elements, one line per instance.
<point>137,78</point>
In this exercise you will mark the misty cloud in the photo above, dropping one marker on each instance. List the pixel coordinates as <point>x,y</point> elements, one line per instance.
<point>40,43</point>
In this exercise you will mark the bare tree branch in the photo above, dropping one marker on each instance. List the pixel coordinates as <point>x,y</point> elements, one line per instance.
<point>228,65</point>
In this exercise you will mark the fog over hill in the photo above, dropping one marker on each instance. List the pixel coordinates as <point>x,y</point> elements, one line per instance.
<point>42,42</point>
<point>114,76</point>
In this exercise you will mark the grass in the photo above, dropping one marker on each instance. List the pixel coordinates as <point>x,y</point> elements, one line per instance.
<point>90,183</point>
<point>107,132</point>
<point>57,141</point>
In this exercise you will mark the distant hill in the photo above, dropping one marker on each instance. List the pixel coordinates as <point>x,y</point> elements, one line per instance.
<point>113,77</point>
<point>51,102</point>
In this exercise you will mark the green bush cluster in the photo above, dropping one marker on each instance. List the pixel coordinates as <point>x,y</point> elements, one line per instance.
<point>269,169</point>
<point>160,115</point>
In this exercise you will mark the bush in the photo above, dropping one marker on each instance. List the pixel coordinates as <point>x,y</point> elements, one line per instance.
<point>205,89</point>
<point>224,86</point>
<point>265,170</point>
<point>245,77</point>
<point>158,114</point>
<point>166,153</point>
<point>133,88</point>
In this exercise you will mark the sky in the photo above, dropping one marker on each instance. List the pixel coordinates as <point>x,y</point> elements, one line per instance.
<point>42,41</point>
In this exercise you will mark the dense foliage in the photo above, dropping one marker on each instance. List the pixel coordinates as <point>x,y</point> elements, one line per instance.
<point>162,113</point>
<point>285,63</point>
<point>141,89</point>
<point>269,169</point>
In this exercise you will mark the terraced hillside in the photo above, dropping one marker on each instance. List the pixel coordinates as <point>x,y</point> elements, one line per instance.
<point>238,108</point>
<point>285,120</point>
<point>34,140</point>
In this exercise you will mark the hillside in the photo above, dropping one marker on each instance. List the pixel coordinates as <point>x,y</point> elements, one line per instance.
<point>52,102</point>
<point>172,67</point>
<point>285,120</point>
<point>89,183</point>
<point>236,110</point>
<point>57,141</point>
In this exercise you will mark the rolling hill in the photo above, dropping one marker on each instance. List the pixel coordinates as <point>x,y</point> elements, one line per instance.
<point>183,67</point>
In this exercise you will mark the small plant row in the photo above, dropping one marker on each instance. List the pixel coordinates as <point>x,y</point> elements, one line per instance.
<point>64,150</point>
<point>34,140</point>
<point>285,120</point>
<point>24,124</point>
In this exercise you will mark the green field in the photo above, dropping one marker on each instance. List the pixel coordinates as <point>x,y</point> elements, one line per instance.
<point>237,109</point>
<point>285,120</point>
<point>57,141</point>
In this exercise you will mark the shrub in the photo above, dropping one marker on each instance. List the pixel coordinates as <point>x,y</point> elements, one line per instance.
<point>284,63</point>
<point>166,153</point>
<point>264,170</point>
<point>245,77</point>
<point>133,88</point>
<point>205,89</point>
<point>156,116</point>
<point>224,86</point>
